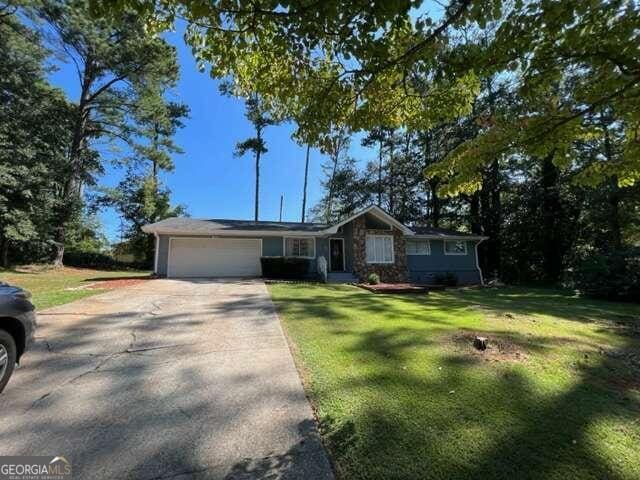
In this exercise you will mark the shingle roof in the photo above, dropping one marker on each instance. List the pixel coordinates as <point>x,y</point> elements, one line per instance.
<point>196,225</point>
<point>441,232</point>
<point>185,225</point>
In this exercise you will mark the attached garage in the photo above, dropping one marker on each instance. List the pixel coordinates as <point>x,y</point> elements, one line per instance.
<point>214,257</point>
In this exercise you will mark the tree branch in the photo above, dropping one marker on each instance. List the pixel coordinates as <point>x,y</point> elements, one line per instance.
<point>105,87</point>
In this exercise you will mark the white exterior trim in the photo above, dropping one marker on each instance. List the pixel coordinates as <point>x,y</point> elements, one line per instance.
<point>284,246</point>
<point>419,254</point>
<point>344,260</point>
<point>393,258</point>
<point>155,255</point>
<point>235,233</point>
<point>449,237</point>
<point>376,211</point>
<point>466,249</point>
<point>169,255</point>
<point>478,263</point>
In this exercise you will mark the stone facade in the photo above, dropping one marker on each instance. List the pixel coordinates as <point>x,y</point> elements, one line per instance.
<point>388,272</point>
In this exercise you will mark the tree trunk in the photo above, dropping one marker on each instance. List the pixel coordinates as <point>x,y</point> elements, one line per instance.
<point>432,185</point>
<point>4,252</point>
<point>474,214</point>
<point>491,215</point>
<point>405,189</point>
<point>71,190</point>
<point>154,162</point>
<point>304,188</point>
<point>58,243</point>
<point>495,245</point>
<point>491,205</point>
<point>435,203</point>
<point>615,229</point>
<point>154,177</point>
<point>330,199</point>
<point>255,215</point>
<point>552,244</point>
<point>613,197</point>
<point>72,187</point>
<point>392,196</point>
<point>380,188</point>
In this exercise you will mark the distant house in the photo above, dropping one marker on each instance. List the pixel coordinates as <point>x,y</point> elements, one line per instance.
<point>369,241</point>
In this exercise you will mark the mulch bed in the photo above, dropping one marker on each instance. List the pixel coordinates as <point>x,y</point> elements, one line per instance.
<point>116,283</point>
<point>396,288</point>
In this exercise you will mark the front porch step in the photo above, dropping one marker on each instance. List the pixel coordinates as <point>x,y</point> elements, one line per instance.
<point>341,277</point>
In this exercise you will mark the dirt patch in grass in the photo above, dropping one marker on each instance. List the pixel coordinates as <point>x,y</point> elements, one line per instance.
<point>116,283</point>
<point>39,268</point>
<point>499,349</point>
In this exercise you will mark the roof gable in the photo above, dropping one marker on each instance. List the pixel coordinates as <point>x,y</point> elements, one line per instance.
<point>375,211</point>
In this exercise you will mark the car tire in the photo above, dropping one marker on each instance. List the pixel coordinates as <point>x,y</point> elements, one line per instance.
<point>8,349</point>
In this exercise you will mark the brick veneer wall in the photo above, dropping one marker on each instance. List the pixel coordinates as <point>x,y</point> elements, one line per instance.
<point>388,272</point>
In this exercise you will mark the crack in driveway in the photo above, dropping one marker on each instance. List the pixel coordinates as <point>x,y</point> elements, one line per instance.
<point>178,379</point>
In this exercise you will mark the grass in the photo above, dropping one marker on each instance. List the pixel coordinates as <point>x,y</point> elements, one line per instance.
<point>400,392</point>
<point>51,287</point>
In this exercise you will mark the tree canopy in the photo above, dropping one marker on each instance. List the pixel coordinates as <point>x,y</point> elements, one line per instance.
<point>413,64</point>
<point>121,116</point>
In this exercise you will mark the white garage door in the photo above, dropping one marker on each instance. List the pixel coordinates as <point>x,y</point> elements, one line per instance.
<point>214,257</point>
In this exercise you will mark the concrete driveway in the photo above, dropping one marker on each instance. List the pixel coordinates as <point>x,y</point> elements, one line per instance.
<point>164,379</point>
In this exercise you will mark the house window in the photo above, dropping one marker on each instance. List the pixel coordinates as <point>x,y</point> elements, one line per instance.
<point>379,249</point>
<point>455,247</point>
<point>299,247</point>
<point>418,247</point>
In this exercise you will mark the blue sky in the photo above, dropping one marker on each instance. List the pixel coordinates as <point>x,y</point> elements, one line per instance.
<point>207,179</point>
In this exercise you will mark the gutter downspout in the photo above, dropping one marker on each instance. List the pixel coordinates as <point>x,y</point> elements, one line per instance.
<point>155,257</point>
<point>478,263</point>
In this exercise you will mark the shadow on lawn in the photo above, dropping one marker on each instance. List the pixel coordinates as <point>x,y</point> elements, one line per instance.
<point>559,303</point>
<point>117,413</point>
<point>473,420</point>
<point>145,276</point>
<point>329,305</point>
<point>543,438</point>
<point>533,436</point>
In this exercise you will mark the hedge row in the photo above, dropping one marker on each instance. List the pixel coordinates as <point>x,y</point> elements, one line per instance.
<point>285,268</point>
<point>74,258</point>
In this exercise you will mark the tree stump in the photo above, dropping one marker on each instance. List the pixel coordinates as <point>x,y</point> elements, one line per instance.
<point>480,343</point>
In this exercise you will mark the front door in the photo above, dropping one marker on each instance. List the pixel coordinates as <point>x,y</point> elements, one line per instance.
<point>336,246</point>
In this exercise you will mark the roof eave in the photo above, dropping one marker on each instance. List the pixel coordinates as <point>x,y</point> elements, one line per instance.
<point>450,237</point>
<point>230,233</point>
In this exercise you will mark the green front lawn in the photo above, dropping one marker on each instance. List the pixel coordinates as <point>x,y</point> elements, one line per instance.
<point>401,393</point>
<point>51,287</point>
